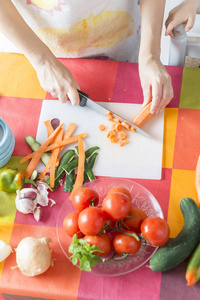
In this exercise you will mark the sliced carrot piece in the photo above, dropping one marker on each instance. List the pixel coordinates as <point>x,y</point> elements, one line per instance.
<point>81,163</point>
<point>126,125</point>
<point>70,140</point>
<point>37,154</point>
<point>118,127</point>
<point>117,121</point>
<point>197,178</point>
<point>133,129</point>
<point>111,119</point>
<point>122,135</point>
<point>143,116</point>
<point>114,140</point>
<point>121,143</point>
<point>102,127</point>
<point>109,114</point>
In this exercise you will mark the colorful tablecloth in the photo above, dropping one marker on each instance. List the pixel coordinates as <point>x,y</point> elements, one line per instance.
<point>20,104</point>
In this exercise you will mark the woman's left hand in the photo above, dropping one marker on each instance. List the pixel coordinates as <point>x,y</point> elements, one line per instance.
<point>156,83</point>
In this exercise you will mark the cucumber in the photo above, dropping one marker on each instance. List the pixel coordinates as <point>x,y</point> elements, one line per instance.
<point>31,141</point>
<point>34,175</point>
<point>176,250</point>
<point>69,182</point>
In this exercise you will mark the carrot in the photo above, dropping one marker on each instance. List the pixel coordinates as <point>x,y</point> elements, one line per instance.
<point>118,127</point>
<point>80,171</point>
<point>126,125</point>
<point>50,129</point>
<point>102,127</point>
<point>70,140</point>
<point>197,178</point>
<point>122,135</point>
<point>109,114</point>
<point>37,154</point>
<point>113,139</point>
<point>53,157</point>
<point>143,116</point>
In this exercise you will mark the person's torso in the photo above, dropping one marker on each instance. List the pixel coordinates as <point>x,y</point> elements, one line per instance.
<point>106,29</point>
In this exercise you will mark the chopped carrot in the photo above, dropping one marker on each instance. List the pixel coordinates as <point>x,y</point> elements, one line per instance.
<point>125,141</point>
<point>81,163</point>
<point>118,127</point>
<point>143,116</point>
<point>197,178</point>
<point>121,143</point>
<point>117,121</point>
<point>133,129</point>
<point>111,134</point>
<point>70,140</point>
<point>122,135</point>
<point>126,125</point>
<point>113,140</point>
<point>37,154</point>
<point>113,126</point>
<point>69,131</point>
<point>102,127</point>
<point>111,119</point>
<point>109,114</point>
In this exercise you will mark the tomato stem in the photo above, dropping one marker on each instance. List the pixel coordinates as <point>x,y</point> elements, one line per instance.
<point>127,233</point>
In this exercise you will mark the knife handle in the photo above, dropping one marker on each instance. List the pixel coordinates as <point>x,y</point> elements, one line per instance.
<point>83,98</point>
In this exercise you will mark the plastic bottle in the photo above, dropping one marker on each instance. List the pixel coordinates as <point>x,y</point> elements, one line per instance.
<point>178,43</point>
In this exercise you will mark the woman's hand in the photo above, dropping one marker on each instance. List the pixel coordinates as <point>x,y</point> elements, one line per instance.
<point>56,79</point>
<point>156,83</point>
<point>182,13</point>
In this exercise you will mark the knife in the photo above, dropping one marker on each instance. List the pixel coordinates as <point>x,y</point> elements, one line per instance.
<point>85,101</point>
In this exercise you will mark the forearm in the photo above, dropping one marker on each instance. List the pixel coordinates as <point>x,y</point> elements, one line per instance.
<point>13,26</point>
<point>152,12</point>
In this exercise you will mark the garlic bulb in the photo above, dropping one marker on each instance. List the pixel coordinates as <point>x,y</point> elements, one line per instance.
<point>33,256</point>
<point>5,250</point>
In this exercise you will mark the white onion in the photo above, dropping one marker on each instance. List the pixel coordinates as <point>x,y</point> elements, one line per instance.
<point>33,255</point>
<point>5,250</point>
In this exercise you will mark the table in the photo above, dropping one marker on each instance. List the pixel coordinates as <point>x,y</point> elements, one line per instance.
<point>20,103</point>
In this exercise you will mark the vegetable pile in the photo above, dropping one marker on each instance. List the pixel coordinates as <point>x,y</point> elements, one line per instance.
<point>113,227</point>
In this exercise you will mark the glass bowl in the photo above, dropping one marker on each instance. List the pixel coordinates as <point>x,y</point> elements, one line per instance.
<point>141,198</point>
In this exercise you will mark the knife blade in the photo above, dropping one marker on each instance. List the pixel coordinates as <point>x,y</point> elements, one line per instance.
<point>86,101</point>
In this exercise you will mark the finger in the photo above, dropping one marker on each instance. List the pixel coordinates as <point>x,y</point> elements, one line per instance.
<point>147,94</point>
<point>63,98</point>
<point>167,96</point>
<point>156,96</point>
<point>170,27</point>
<point>73,96</point>
<point>190,23</point>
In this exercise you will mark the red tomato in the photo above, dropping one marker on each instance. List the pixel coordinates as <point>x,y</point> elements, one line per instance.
<point>155,230</point>
<point>91,220</point>
<point>123,243</point>
<point>83,197</point>
<point>116,206</point>
<point>120,189</point>
<point>101,241</point>
<point>70,224</point>
<point>134,223</point>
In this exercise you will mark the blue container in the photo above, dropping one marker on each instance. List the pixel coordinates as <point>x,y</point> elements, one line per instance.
<point>7,143</point>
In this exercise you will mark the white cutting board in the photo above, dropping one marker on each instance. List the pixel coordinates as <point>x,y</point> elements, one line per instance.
<point>140,158</point>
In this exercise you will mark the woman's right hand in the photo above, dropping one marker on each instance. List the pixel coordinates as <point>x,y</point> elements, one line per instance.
<point>56,79</point>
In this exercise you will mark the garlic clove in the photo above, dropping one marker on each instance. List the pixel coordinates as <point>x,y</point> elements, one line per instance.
<point>42,197</point>
<point>27,193</point>
<point>25,205</point>
<point>38,213</point>
<point>33,255</point>
<point>5,250</point>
